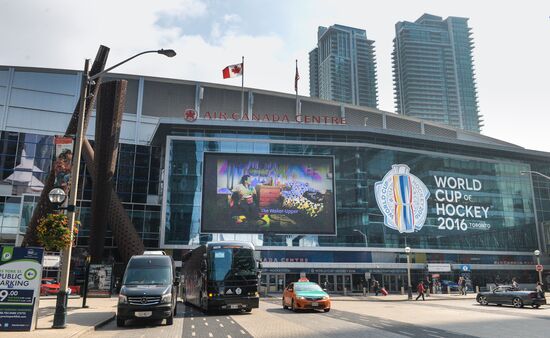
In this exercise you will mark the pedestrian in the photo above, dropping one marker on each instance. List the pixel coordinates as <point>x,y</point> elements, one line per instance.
<point>540,292</point>
<point>376,287</point>
<point>420,289</point>
<point>515,284</point>
<point>464,287</point>
<point>459,282</point>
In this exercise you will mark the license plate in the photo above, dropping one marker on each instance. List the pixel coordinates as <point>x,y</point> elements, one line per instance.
<point>142,314</point>
<point>314,304</point>
<point>234,306</point>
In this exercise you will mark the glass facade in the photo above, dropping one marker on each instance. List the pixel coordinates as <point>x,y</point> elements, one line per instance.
<point>474,203</point>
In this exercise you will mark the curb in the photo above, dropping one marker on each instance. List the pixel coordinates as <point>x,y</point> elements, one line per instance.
<point>95,326</point>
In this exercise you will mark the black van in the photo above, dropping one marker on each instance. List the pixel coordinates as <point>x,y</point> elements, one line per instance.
<point>149,289</point>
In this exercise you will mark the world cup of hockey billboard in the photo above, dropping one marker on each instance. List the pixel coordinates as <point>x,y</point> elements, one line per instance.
<point>253,193</point>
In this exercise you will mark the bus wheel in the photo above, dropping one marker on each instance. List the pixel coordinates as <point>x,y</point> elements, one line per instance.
<point>248,309</point>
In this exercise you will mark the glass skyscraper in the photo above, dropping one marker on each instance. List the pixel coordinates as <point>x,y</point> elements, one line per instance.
<point>433,71</point>
<point>343,67</point>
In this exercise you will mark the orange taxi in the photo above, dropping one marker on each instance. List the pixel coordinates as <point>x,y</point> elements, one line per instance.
<point>305,295</point>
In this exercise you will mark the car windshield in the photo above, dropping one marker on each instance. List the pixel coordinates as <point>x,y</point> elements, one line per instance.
<point>307,287</point>
<point>229,263</point>
<point>154,275</point>
<point>50,281</point>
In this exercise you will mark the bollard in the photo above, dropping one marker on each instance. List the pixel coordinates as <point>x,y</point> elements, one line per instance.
<point>364,292</point>
<point>345,291</point>
<point>402,290</point>
<point>448,290</point>
<point>477,288</point>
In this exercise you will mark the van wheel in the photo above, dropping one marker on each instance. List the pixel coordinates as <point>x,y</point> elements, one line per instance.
<point>170,320</point>
<point>284,305</point>
<point>326,310</point>
<point>120,321</point>
<point>293,307</point>
<point>248,309</point>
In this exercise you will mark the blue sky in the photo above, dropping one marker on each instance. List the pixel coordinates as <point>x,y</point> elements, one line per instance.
<point>510,57</point>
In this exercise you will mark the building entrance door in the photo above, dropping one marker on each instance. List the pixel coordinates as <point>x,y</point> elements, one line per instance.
<point>335,283</point>
<point>275,282</point>
<point>392,283</point>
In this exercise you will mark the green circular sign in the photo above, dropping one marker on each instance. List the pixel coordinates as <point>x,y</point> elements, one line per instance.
<point>30,274</point>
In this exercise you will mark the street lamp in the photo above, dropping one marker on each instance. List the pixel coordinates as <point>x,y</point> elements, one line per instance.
<point>57,196</point>
<point>362,233</point>
<point>537,254</point>
<point>60,315</point>
<point>408,252</point>
<point>525,172</point>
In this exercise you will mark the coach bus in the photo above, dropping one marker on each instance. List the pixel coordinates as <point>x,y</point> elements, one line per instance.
<point>221,276</point>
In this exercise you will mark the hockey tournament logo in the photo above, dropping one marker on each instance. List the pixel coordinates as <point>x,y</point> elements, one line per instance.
<point>403,199</point>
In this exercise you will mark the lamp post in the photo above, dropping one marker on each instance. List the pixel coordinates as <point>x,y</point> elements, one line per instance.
<point>364,235</point>
<point>524,172</point>
<point>409,293</point>
<point>537,254</point>
<point>60,315</point>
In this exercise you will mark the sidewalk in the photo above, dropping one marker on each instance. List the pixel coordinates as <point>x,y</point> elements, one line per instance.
<point>388,298</point>
<point>79,320</point>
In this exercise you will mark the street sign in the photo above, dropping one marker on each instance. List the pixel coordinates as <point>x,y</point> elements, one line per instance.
<point>20,271</point>
<point>465,268</point>
<point>539,267</point>
<point>439,267</point>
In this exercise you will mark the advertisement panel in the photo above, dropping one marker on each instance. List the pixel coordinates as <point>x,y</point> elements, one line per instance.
<point>20,272</point>
<point>100,280</point>
<point>253,193</point>
<point>450,201</point>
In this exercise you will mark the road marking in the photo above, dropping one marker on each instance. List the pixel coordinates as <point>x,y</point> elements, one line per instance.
<point>243,332</point>
<point>192,318</point>
<point>210,334</point>
<point>435,335</point>
<point>206,323</point>
<point>427,330</point>
<point>193,333</point>
<point>221,325</point>
<point>232,322</point>
<point>227,317</point>
<point>228,336</point>
<point>217,320</point>
<point>408,334</point>
<point>204,319</point>
<point>192,327</point>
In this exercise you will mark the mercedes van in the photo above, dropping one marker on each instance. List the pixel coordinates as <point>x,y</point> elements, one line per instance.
<point>149,289</point>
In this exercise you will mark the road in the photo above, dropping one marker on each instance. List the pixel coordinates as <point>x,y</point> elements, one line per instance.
<point>349,319</point>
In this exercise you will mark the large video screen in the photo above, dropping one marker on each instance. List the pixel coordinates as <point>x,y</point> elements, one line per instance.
<point>252,193</point>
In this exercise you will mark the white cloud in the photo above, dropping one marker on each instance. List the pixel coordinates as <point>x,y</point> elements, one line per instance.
<point>229,18</point>
<point>511,66</point>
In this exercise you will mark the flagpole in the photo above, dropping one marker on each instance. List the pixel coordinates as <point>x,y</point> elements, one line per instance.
<point>296,89</point>
<point>242,88</point>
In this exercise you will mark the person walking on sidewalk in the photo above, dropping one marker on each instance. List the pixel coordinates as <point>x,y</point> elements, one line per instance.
<point>463,286</point>
<point>376,287</point>
<point>540,292</point>
<point>420,289</point>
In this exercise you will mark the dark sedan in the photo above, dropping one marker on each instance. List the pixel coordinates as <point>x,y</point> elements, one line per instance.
<point>508,295</point>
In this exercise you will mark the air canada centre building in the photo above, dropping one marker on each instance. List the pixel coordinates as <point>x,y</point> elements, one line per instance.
<point>329,190</point>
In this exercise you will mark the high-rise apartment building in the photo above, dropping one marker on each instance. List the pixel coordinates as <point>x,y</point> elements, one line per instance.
<point>343,66</point>
<point>433,71</point>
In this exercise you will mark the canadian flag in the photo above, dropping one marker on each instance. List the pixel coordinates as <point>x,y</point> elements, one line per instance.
<point>233,71</point>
